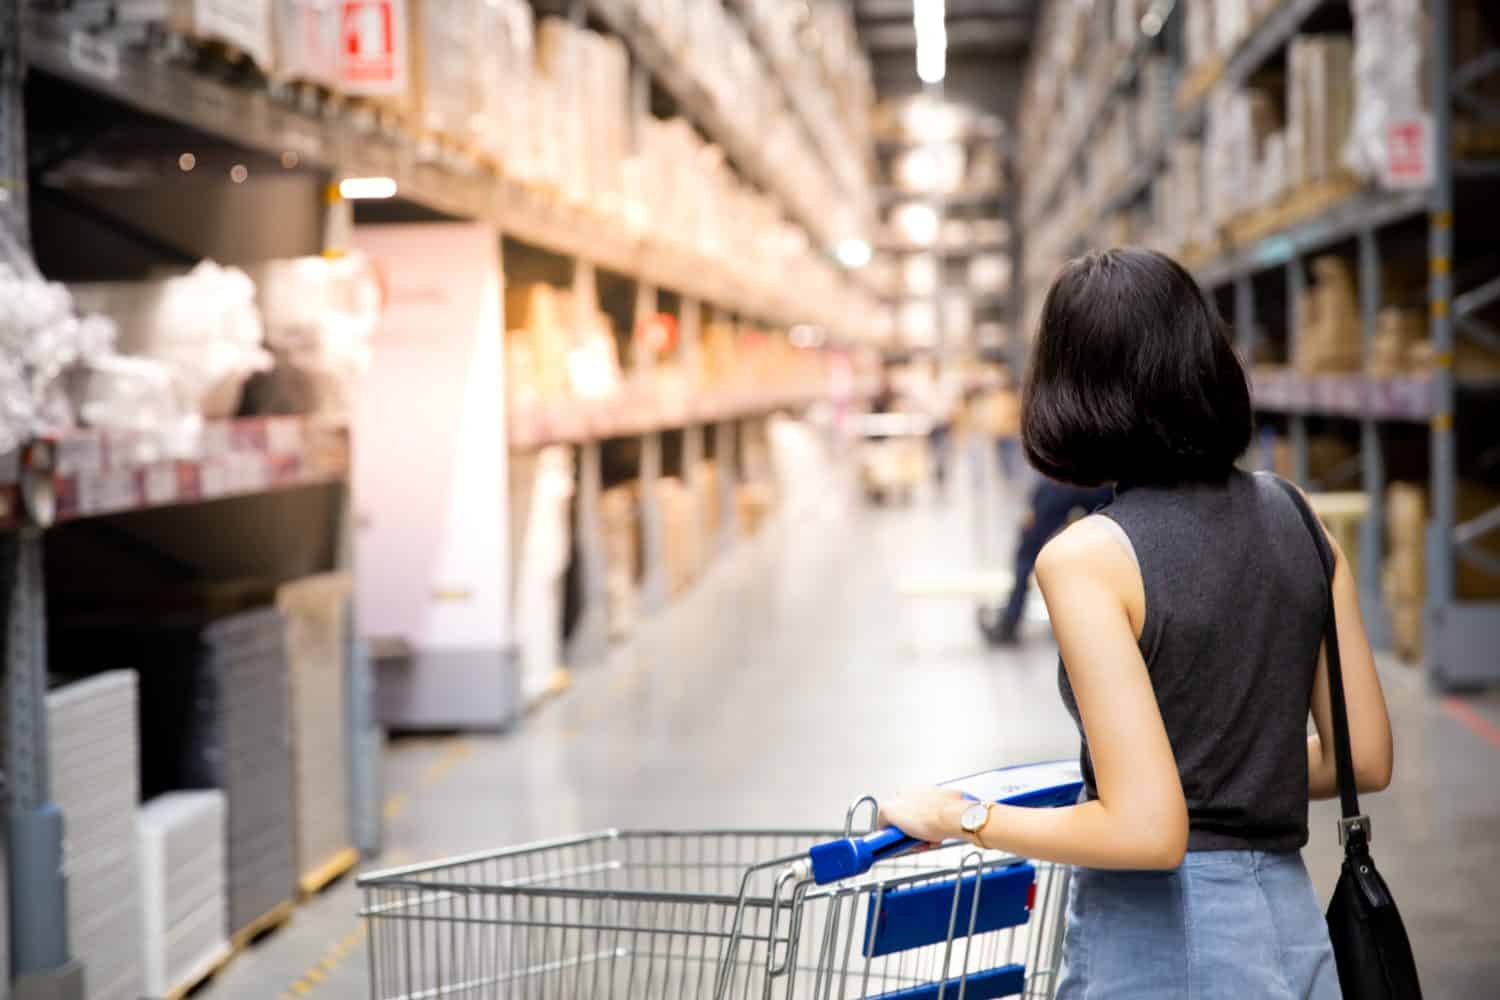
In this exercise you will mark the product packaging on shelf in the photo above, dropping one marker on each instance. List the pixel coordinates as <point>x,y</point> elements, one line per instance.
<point>42,341</point>
<point>1328,336</point>
<point>319,315</point>
<point>243,25</point>
<point>180,839</point>
<point>1320,106</point>
<point>682,539</point>
<point>619,521</point>
<point>315,609</point>
<point>203,325</point>
<point>94,737</point>
<point>445,86</point>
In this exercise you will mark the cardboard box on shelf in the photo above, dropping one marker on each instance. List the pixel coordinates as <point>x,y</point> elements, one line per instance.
<point>1320,106</point>
<point>620,523</point>
<point>244,26</point>
<point>1404,576</point>
<point>682,547</point>
<point>1330,460</point>
<point>1397,332</point>
<point>1328,337</point>
<point>753,503</point>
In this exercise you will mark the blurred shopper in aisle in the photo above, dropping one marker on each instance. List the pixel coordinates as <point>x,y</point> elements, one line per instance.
<point>1052,506</point>
<point>938,393</point>
<point>1190,616</point>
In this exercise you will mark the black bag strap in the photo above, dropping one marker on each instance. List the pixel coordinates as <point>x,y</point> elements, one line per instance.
<point>1354,824</point>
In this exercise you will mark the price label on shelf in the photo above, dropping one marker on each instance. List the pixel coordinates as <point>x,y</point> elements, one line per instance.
<point>1408,153</point>
<point>93,55</point>
<point>159,483</point>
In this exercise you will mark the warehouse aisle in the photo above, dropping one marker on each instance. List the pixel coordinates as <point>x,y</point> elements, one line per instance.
<point>794,678</point>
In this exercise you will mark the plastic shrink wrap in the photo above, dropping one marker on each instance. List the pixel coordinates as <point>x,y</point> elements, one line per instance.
<point>43,343</point>
<point>1389,77</point>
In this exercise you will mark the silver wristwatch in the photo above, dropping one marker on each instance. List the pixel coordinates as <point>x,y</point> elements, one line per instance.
<point>974,818</point>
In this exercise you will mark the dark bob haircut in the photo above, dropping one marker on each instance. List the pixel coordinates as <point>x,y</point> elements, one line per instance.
<point>1133,379</point>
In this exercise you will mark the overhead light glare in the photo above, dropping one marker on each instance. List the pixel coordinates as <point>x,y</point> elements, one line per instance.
<point>928,17</point>
<point>186,162</point>
<point>238,173</point>
<point>356,188</point>
<point>852,253</point>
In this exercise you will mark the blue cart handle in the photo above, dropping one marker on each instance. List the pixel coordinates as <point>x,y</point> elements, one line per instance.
<point>1054,783</point>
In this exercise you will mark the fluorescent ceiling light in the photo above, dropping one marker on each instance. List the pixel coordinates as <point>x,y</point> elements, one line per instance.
<point>354,188</point>
<point>853,254</point>
<point>928,18</point>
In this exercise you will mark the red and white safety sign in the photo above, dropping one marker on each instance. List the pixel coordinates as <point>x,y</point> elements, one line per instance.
<point>1408,152</point>
<point>373,47</point>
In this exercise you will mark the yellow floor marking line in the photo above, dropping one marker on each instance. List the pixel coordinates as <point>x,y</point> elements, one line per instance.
<point>395,806</point>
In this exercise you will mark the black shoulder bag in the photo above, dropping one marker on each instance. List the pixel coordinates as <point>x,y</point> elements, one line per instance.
<point>1370,944</point>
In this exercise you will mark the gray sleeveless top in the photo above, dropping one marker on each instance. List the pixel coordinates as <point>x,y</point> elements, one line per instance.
<point>1235,603</point>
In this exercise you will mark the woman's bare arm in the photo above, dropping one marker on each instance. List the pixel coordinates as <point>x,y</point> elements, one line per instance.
<point>1369,722</point>
<point>1093,591</point>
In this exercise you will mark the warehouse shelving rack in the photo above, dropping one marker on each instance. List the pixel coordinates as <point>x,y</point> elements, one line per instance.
<point>70,477</point>
<point>1459,635</point>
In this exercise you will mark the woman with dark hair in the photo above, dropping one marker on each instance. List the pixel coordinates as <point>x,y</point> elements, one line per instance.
<point>1189,614</point>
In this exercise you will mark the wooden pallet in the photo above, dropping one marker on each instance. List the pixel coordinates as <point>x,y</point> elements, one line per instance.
<point>1293,207</point>
<point>1196,85</point>
<point>560,680</point>
<point>262,925</point>
<point>209,968</point>
<point>329,872</point>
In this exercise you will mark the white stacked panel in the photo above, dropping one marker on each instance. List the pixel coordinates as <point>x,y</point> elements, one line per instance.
<point>249,745</point>
<point>95,753</point>
<point>315,625</point>
<point>181,839</point>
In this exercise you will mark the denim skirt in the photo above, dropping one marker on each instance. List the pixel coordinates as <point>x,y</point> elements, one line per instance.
<point>1241,924</point>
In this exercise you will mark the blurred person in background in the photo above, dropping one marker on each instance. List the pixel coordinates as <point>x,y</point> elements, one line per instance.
<point>1052,506</point>
<point>1190,617</point>
<point>1005,425</point>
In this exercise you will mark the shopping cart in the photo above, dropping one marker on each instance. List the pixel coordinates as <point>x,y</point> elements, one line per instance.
<point>721,914</point>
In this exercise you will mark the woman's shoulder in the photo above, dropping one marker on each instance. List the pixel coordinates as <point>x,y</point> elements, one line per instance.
<point>1094,545</point>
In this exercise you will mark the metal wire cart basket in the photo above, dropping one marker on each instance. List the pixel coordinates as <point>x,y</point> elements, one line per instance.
<point>718,914</point>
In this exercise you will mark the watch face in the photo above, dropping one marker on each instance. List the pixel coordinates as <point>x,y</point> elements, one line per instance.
<point>974,817</point>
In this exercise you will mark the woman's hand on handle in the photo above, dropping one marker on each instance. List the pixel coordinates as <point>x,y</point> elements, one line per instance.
<point>927,814</point>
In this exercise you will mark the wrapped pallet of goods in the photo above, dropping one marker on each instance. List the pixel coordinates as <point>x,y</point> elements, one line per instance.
<point>315,609</point>
<point>180,839</point>
<point>243,27</point>
<point>620,525</point>
<point>95,754</point>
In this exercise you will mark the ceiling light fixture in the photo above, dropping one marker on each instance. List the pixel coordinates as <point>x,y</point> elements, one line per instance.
<point>355,188</point>
<point>928,17</point>
<point>852,253</point>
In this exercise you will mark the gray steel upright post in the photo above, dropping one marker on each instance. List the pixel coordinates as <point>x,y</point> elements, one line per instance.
<point>1296,287</point>
<point>38,884</point>
<point>1440,569</point>
<point>13,216</point>
<point>1371,456</point>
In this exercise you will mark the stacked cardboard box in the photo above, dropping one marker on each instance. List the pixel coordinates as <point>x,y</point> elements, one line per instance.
<point>1320,107</point>
<point>94,748</point>
<point>1398,332</point>
<point>1404,575</point>
<point>1328,337</point>
<point>315,609</point>
<point>620,522</point>
<point>706,484</point>
<point>1245,133</point>
<point>180,844</point>
<point>682,536</point>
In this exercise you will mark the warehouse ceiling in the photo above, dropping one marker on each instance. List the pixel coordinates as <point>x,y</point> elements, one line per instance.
<point>988,42</point>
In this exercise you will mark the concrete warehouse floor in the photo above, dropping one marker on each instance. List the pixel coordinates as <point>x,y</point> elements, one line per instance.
<point>795,677</point>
